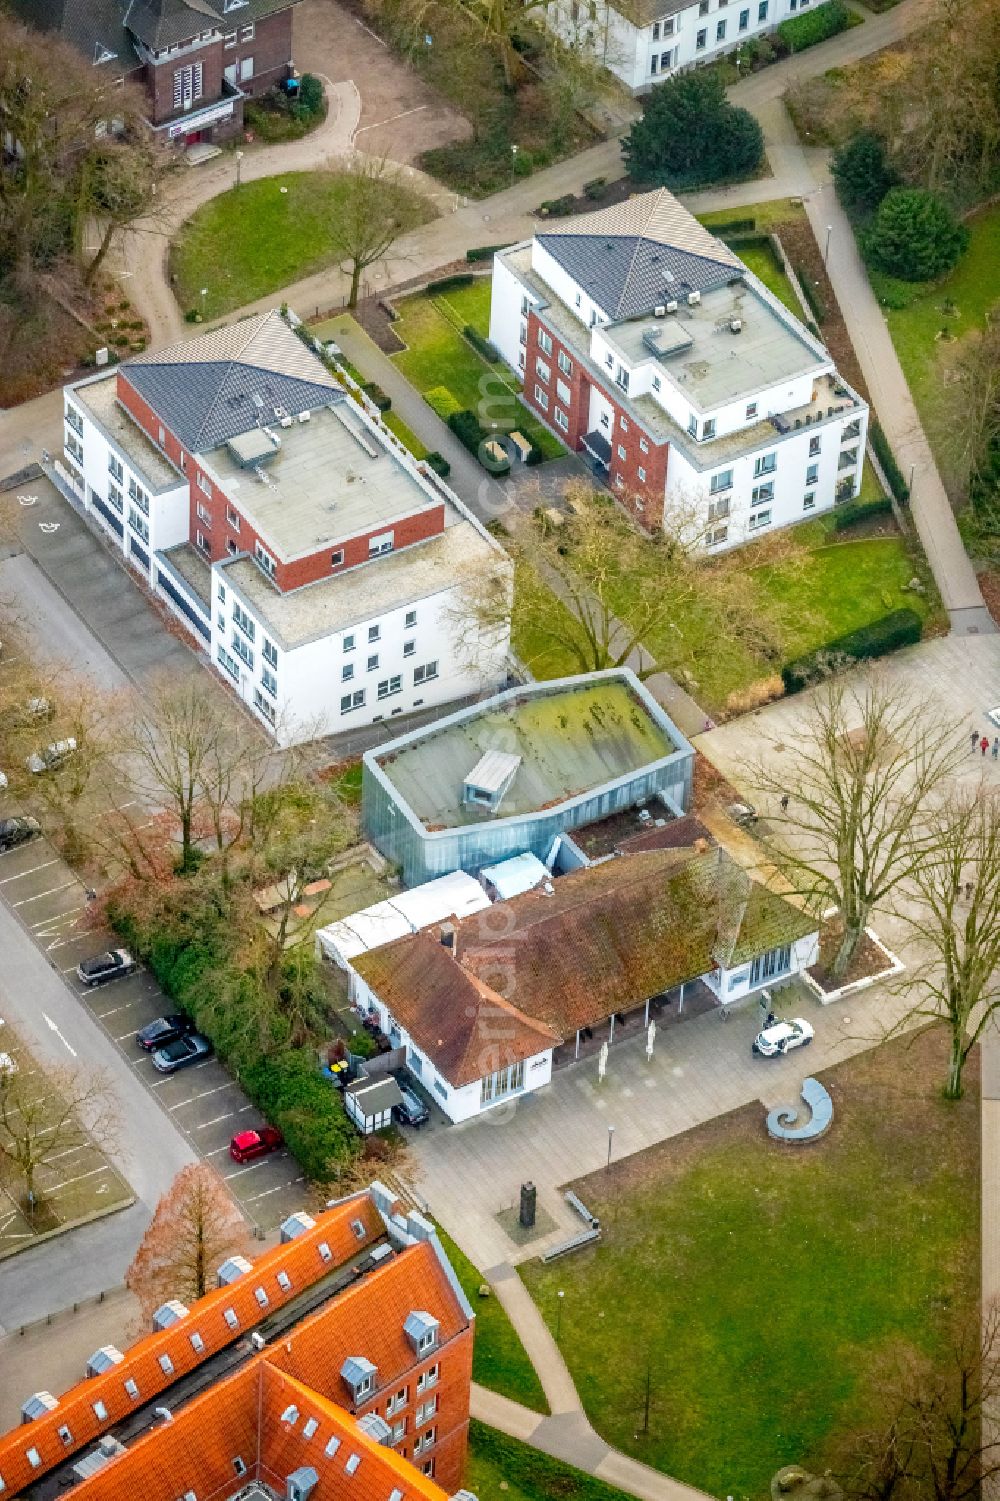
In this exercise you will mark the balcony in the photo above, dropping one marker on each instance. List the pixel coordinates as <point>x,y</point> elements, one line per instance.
<point>852,430</point>
<point>848,460</point>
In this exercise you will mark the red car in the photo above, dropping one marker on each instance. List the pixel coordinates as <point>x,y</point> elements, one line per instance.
<point>246,1145</point>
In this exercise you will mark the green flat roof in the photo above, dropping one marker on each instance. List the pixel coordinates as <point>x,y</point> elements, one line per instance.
<point>570,740</point>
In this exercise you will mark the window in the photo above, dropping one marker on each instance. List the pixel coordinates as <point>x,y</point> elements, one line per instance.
<point>767,966</point>
<point>761,493</point>
<point>621,452</point>
<point>815,444</point>
<point>744,20</point>
<point>425,1441</point>
<point>100,1411</point>
<point>666,58</point>
<point>812,474</point>
<point>231,547</point>
<point>242,619</point>
<point>708,430</point>
<point>693,425</point>
<point>609,360</point>
<point>542,370</point>
<point>380,544</point>
<point>809,500</point>
<point>621,377</point>
<point>336,558</point>
<point>398,1433</point>
<point>131,1389</point>
<point>425,674</point>
<point>701,39</point>
<point>565,363</point>
<point>309,1427</point>
<point>762,10</point>
<point>74,420</point>
<point>426,1411</point>
<point>204,484</point>
<point>269,681</point>
<point>759,519</point>
<point>239,1466</point>
<point>355,1459</point>
<point>263,557</point>
<point>138,524</point>
<point>563,392</point>
<point>624,424</point>
<point>187,85</point>
<point>410,618</point>
<point>428,1378</point>
<point>766,464</point>
<point>721,481</point>
<point>246,69</point>
<point>428,1468</point>
<point>284,1282</point>
<point>233,518</point>
<point>230,1317</point>
<point>544,342</point>
<point>396,1403</point>
<point>347,672</point>
<point>390,686</point>
<point>718,508</point>
<point>656,31</point>
<point>541,398</point>
<point>349,642</point>
<point>502,1083</point>
<point>65,1434</point>
<point>751,410</point>
<point>561,420</point>
<point>374,632</point>
<point>204,514</point>
<point>353,700</point>
<point>325,1254</point>
<point>226,661</point>
<point>668,26</point>
<point>229,39</point>
<point>703,8</point>
<point>720,31</point>
<point>242,650</point>
<point>643,446</point>
<point>269,652</point>
<point>201,541</point>
<point>372,663</point>
<point>222,594</point>
<point>75,448</point>
<point>409,647</point>
<point>642,475</point>
<point>332,1444</point>
<point>33,1457</point>
<point>246,32</point>
<point>115,469</point>
<point>197,1343</point>
<point>716,536</point>
<point>654,63</point>
<point>656,382</point>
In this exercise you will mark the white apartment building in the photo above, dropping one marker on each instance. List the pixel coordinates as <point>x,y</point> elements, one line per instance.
<point>325,574</point>
<point>701,402</point>
<point>648,40</point>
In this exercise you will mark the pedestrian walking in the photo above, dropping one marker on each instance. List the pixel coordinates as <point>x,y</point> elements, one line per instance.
<point>968,891</point>
<point>784,803</point>
<point>984,745</point>
<point>996,746</point>
<point>975,737</point>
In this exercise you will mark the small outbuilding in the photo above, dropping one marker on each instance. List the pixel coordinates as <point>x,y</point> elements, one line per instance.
<point>370,1102</point>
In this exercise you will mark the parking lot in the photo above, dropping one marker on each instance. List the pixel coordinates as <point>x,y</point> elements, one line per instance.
<point>203,1101</point>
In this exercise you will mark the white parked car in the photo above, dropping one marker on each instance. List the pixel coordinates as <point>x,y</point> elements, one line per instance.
<point>52,756</point>
<point>782,1037</point>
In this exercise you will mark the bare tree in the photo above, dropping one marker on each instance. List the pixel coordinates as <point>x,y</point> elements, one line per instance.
<point>855,792</point>
<point>44,1116</point>
<point>195,1227</point>
<point>375,209</point>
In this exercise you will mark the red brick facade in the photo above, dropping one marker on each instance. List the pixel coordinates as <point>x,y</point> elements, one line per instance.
<point>450,1421</point>
<point>641,494</point>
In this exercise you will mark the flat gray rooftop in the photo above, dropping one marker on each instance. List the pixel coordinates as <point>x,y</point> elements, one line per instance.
<point>194,569</point>
<point>570,740</point>
<point>331,478</point>
<point>100,398</point>
<point>365,592</point>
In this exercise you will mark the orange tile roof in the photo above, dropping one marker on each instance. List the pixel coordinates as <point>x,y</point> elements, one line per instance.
<point>246,1417</point>
<point>299,1259</point>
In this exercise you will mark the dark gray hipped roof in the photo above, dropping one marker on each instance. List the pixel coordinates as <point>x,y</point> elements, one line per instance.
<point>203,389</point>
<point>637,254</point>
<point>163,23</point>
<point>102,30</point>
<point>94,27</point>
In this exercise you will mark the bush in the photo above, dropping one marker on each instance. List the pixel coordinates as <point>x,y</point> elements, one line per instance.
<point>309,101</point>
<point>486,349</point>
<point>809,291</point>
<point>376,395</point>
<point>893,474</point>
<point>362,1044</point>
<point>733,227</point>
<point>294,1095</point>
<point>914,235</point>
<point>438,463</point>
<point>485,252</point>
<point>862,173</point>
<point>451,283</point>
<point>557,208</point>
<point>534,455</point>
<point>442,402</point>
<point>899,628</point>
<point>857,511</point>
<point>803,31</point>
<point>467,429</point>
<point>594,189</point>
<point>691,134</point>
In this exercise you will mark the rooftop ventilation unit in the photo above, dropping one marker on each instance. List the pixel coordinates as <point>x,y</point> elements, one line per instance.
<point>660,311</point>
<point>304,416</point>
<point>301,1483</point>
<point>37,1405</point>
<point>107,1449</point>
<point>671,306</point>
<point>257,1341</point>
<point>297,1224</point>
<point>169,1313</point>
<point>286,421</point>
<point>736,325</point>
<point>232,1270</point>
<point>103,1359</point>
<point>693,299</point>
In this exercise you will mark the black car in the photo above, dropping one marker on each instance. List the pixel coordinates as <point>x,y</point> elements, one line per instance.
<point>165,1029</point>
<point>110,965</point>
<point>192,1048</point>
<point>412,1111</point>
<point>15,831</point>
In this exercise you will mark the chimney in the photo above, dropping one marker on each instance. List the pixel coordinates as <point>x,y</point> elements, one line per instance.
<point>448,936</point>
<point>700,846</point>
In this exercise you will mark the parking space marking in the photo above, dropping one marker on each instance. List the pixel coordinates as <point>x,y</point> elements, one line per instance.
<point>214,1122</point>
<point>104,1168</point>
<point>203,1095</point>
<point>248,1169</point>
<point>30,872</point>
<point>102,1015</point>
<point>52,891</point>
<point>290,1184</point>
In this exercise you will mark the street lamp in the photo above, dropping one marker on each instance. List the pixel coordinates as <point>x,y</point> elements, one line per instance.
<point>611,1134</point>
<point>204,294</point>
<point>826,252</point>
<point>560,1295</point>
<point>513,164</point>
<point>239,159</point>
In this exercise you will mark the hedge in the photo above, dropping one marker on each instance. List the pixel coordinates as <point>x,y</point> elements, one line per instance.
<point>442,402</point>
<point>375,394</point>
<point>438,463</point>
<point>557,208</point>
<point>466,427</point>
<point>451,283</point>
<point>732,227</point>
<point>816,304</point>
<point>887,459</point>
<point>898,628</point>
<point>856,511</point>
<point>294,1095</point>
<point>488,350</point>
<point>800,32</point>
<point>485,252</point>
<point>594,189</point>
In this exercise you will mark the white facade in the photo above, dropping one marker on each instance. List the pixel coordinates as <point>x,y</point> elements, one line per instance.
<point>643,55</point>
<point>764,973</point>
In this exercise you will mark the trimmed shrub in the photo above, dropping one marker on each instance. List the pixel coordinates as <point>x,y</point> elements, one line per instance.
<point>485,348</point>
<point>889,633</point>
<point>309,100</point>
<point>857,511</point>
<point>733,227</point>
<point>557,208</point>
<point>594,189</point>
<point>800,32</point>
<point>442,402</point>
<point>438,463</point>
<point>914,235</point>
<point>375,394</point>
<point>485,252</point>
<point>466,427</point>
<point>862,173</point>
<point>894,475</point>
<point>811,294</point>
<point>451,283</point>
<point>535,455</point>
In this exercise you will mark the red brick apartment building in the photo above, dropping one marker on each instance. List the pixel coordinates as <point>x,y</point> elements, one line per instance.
<point>335,1367</point>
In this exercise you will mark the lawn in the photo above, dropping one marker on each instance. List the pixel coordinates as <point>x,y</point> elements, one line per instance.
<point>498,1358</point>
<point>769,1291</point>
<point>960,303</point>
<point>764,264</point>
<point>502,1469</point>
<point>264,236</point>
<point>438,354</point>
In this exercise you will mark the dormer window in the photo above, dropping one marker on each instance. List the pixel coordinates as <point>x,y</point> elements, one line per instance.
<point>422,1330</point>
<point>359,1375</point>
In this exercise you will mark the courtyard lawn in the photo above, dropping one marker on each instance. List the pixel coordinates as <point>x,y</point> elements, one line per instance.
<point>256,239</point>
<point>764,265</point>
<point>503,1469</point>
<point>498,1357</point>
<point>438,354</point>
<point>960,303</point>
<point>768,1291</point>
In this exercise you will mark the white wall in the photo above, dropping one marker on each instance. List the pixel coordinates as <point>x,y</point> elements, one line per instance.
<point>505,312</point>
<point>734,985</point>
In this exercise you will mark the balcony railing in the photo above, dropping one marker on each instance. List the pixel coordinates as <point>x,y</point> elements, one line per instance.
<point>848,460</point>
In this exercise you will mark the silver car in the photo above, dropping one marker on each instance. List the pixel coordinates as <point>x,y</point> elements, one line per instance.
<point>52,756</point>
